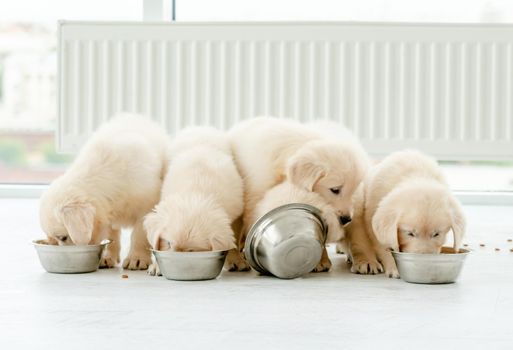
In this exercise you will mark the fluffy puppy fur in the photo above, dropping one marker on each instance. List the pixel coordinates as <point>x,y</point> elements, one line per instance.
<point>201,196</point>
<point>114,181</point>
<point>321,158</point>
<point>404,204</point>
<point>286,193</point>
<point>409,205</point>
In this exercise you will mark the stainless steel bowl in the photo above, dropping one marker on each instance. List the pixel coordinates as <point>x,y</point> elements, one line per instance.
<point>287,242</point>
<point>69,258</point>
<point>431,268</point>
<point>190,266</point>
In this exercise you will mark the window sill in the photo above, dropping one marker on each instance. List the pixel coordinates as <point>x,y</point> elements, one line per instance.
<point>466,197</point>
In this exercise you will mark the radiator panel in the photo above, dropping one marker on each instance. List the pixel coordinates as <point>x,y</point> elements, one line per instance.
<point>445,89</point>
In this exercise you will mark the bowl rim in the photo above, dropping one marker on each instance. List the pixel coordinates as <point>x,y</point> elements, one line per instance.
<point>197,253</point>
<point>460,253</point>
<point>37,243</point>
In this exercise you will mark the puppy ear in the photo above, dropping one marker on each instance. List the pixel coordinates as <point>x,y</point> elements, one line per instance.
<point>78,218</point>
<point>225,241</point>
<point>304,171</point>
<point>458,223</point>
<point>152,226</point>
<point>336,232</point>
<point>384,225</point>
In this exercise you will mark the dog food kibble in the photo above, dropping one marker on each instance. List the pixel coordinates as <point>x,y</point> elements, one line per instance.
<point>497,249</point>
<point>465,245</point>
<point>124,276</point>
<point>511,250</point>
<point>481,245</point>
<point>510,240</point>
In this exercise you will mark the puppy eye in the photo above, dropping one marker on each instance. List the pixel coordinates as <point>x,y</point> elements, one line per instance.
<point>436,234</point>
<point>411,234</point>
<point>335,190</point>
<point>62,238</point>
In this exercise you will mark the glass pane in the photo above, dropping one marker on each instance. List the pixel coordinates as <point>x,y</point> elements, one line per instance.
<point>347,10</point>
<point>28,71</point>
<point>479,176</point>
<point>461,175</point>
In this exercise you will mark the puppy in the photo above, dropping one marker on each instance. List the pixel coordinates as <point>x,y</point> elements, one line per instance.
<point>319,158</point>
<point>114,181</point>
<point>286,193</point>
<point>404,204</point>
<point>409,205</point>
<point>201,197</point>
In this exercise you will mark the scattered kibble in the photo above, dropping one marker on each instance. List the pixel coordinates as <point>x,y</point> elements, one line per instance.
<point>510,240</point>
<point>124,276</point>
<point>481,245</point>
<point>497,249</point>
<point>511,250</point>
<point>465,245</point>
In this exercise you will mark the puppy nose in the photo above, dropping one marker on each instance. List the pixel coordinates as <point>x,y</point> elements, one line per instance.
<point>344,220</point>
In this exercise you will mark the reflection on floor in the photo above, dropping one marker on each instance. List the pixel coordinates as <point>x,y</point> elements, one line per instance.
<point>336,310</point>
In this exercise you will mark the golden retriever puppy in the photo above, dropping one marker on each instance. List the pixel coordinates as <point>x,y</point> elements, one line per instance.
<point>286,193</point>
<point>114,182</point>
<point>409,205</point>
<point>201,196</point>
<point>320,157</point>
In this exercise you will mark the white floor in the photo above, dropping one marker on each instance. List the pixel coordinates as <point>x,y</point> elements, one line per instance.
<point>335,310</point>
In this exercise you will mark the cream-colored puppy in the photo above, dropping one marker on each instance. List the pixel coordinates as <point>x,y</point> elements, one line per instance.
<point>406,205</point>
<point>286,193</point>
<point>114,181</point>
<point>201,198</point>
<point>409,205</point>
<point>321,158</point>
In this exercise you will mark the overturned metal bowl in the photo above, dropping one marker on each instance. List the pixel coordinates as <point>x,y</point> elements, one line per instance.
<point>69,258</point>
<point>190,266</point>
<point>287,242</point>
<point>431,268</point>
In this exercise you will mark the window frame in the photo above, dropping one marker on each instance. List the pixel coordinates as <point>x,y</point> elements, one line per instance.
<point>159,10</point>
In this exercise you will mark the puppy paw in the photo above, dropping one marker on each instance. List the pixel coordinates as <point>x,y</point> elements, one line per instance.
<point>108,262</point>
<point>323,266</point>
<point>388,262</point>
<point>392,273</point>
<point>366,266</point>
<point>339,249</point>
<point>236,262</point>
<point>240,265</point>
<point>154,270</point>
<point>136,262</point>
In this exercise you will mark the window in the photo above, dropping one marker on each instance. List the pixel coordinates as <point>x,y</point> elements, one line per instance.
<point>28,65</point>
<point>28,70</point>
<point>346,10</point>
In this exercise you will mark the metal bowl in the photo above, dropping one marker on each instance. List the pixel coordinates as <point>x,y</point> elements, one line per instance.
<point>190,266</point>
<point>431,268</point>
<point>69,258</point>
<point>287,242</point>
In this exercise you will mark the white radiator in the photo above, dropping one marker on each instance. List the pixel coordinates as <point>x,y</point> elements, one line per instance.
<point>445,89</point>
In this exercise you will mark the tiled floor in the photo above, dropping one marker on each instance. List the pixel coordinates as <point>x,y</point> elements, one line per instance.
<point>335,310</point>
